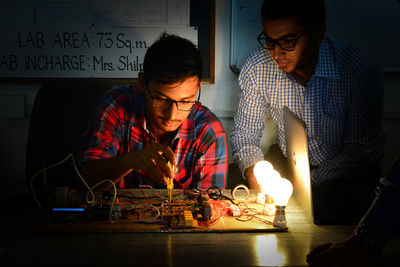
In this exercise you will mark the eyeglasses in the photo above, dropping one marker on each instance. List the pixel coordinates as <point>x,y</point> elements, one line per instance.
<point>162,103</point>
<point>284,44</point>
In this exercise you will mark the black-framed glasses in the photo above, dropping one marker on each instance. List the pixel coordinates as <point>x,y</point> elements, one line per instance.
<point>284,43</point>
<point>163,103</point>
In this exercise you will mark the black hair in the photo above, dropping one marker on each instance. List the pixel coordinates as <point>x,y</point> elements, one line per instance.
<point>308,13</point>
<point>172,59</point>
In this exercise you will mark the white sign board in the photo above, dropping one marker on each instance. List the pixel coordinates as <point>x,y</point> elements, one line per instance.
<point>93,38</point>
<point>97,52</point>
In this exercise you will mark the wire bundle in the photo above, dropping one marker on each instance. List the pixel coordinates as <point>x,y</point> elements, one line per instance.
<point>219,208</point>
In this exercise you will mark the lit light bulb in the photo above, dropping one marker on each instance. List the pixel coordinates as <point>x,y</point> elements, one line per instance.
<point>282,192</point>
<point>262,171</point>
<point>275,175</point>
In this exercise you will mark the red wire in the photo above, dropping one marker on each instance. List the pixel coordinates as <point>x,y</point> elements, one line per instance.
<point>149,186</point>
<point>129,192</point>
<point>140,187</point>
<point>220,208</point>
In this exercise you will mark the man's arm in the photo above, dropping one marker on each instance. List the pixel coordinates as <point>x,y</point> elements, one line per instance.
<point>152,160</point>
<point>107,129</point>
<point>251,178</point>
<point>248,125</point>
<point>346,253</point>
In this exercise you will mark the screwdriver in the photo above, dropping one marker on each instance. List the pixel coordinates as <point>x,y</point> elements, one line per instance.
<point>170,185</point>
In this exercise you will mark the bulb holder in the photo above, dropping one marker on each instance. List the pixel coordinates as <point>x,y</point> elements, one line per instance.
<point>280,217</point>
<point>269,206</point>
<point>260,198</point>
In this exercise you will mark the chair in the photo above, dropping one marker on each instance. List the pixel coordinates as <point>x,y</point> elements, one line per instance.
<point>59,117</point>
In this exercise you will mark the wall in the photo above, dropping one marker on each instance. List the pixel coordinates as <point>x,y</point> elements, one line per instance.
<point>221,97</point>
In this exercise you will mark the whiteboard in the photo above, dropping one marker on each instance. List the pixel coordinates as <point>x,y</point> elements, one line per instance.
<point>91,38</point>
<point>371,24</point>
<point>76,53</point>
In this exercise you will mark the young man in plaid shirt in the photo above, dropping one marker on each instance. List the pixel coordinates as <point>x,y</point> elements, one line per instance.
<point>135,131</point>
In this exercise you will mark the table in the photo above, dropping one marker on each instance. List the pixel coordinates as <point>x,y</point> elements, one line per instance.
<point>21,244</point>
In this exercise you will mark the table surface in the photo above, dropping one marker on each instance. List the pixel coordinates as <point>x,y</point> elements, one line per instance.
<point>21,243</point>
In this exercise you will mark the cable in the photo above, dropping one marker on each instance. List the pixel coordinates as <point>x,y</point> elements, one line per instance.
<point>215,193</point>
<point>262,220</point>
<point>152,189</point>
<point>192,193</point>
<point>220,209</point>
<point>141,190</point>
<point>249,214</point>
<point>84,182</point>
<point>114,198</point>
<point>90,190</point>
<point>129,198</point>
<point>42,171</point>
<point>218,196</point>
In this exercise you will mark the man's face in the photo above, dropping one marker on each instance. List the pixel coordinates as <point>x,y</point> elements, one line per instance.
<point>163,121</point>
<point>288,29</point>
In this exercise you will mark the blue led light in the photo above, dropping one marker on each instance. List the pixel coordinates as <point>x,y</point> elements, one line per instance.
<point>68,209</point>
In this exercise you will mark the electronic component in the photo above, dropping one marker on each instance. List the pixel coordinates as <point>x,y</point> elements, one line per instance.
<point>234,210</point>
<point>206,211</point>
<point>189,220</point>
<point>179,213</point>
<point>67,214</point>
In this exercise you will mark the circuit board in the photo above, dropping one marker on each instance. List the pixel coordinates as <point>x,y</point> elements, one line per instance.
<point>186,213</point>
<point>149,211</point>
<point>181,213</point>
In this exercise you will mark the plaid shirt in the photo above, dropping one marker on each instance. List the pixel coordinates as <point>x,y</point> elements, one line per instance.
<point>341,106</point>
<point>119,126</point>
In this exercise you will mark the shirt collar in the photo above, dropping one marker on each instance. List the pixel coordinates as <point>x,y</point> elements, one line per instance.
<point>327,66</point>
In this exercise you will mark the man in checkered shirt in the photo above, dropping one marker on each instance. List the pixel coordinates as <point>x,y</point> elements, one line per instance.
<point>137,130</point>
<point>334,87</point>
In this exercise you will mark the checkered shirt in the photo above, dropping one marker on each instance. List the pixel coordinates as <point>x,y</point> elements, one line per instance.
<point>118,127</point>
<point>341,105</point>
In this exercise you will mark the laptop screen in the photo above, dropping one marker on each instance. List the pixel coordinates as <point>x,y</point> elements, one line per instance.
<point>297,154</point>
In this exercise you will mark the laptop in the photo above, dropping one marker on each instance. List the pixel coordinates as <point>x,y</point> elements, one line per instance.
<point>297,156</point>
<point>322,204</point>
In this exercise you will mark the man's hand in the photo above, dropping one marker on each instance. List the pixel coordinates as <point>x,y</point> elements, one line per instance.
<point>251,178</point>
<point>153,160</point>
<point>343,253</point>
